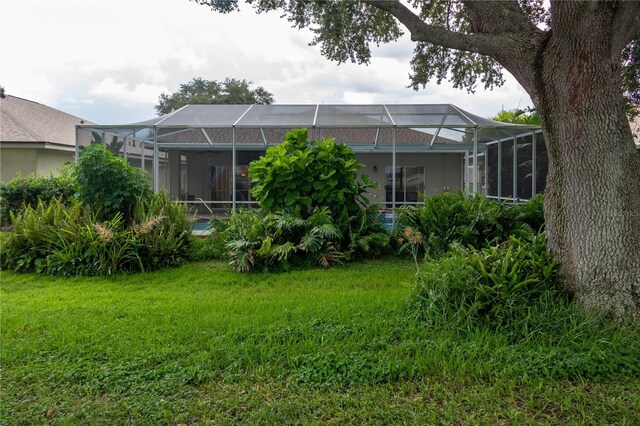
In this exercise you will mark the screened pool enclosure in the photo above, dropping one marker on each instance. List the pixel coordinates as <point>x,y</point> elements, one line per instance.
<point>201,153</point>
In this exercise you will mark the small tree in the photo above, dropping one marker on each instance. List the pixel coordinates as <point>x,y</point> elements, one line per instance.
<point>300,175</point>
<point>108,183</point>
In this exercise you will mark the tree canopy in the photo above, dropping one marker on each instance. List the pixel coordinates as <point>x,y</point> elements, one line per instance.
<point>201,91</point>
<point>448,47</point>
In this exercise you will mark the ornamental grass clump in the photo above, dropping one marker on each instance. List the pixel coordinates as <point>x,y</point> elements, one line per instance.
<point>60,238</point>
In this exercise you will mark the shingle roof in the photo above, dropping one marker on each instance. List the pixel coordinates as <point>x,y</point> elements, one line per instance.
<point>22,120</point>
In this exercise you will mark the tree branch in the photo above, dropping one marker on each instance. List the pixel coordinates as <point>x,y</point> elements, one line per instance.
<point>490,45</point>
<point>627,21</point>
<point>498,17</point>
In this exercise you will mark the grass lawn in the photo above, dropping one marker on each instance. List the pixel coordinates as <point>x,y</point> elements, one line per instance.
<point>201,343</point>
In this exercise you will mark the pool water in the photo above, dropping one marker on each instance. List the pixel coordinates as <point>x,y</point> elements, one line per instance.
<point>200,226</point>
<point>387,220</point>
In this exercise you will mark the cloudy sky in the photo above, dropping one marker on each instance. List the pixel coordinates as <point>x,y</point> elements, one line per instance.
<point>108,60</point>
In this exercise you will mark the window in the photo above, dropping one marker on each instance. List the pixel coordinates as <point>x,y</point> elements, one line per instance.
<point>409,183</point>
<point>220,183</point>
<point>221,179</point>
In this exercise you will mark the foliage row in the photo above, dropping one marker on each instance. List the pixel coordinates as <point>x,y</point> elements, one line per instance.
<point>448,219</point>
<point>68,239</point>
<point>104,221</point>
<point>27,190</point>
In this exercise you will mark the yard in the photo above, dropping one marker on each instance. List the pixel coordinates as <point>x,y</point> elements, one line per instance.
<point>200,343</point>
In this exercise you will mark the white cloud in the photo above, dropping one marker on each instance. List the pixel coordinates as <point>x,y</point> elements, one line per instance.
<point>109,60</point>
<point>139,94</point>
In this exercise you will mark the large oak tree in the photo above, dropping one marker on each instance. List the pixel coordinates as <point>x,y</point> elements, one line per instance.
<point>569,58</point>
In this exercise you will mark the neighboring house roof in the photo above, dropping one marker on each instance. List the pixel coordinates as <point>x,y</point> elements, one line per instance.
<point>25,121</point>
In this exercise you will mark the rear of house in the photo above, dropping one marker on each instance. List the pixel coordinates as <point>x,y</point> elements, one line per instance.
<point>34,138</point>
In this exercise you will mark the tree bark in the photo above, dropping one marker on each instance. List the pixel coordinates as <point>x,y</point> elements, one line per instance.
<point>592,197</point>
<point>572,72</point>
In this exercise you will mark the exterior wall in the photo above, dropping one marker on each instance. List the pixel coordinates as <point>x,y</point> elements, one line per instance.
<point>443,172</point>
<point>17,160</point>
<point>50,161</point>
<point>40,161</point>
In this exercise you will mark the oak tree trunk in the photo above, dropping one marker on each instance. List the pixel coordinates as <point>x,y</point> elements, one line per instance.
<point>592,197</point>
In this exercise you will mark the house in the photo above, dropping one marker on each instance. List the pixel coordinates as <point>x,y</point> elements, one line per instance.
<point>407,149</point>
<point>38,139</point>
<point>34,138</point>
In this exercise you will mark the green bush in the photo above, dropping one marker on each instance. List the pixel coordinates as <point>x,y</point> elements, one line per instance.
<point>301,176</point>
<point>277,241</point>
<point>27,190</point>
<point>366,236</point>
<point>59,239</point>
<point>448,219</point>
<point>453,218</point>
<point>161,229</point>
<point>529,214</point>
<point>496,285</point>
<point>108,183</point>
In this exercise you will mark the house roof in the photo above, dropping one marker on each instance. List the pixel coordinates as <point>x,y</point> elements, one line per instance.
<point>320,116</point>
<point>358,125</point>
<point>25,121</point>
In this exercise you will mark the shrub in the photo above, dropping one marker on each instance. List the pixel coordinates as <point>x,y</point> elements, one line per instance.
<point>448,219</point>
<point>452,218</point>
<point>161,229</point>
<point>60,239</point>
<point>26,191</point>
<point>108,183</point>
<point>259,240</point>
<point>208,247</point>
<point>495,285</point>
<point>300,176</point>
<point>529,214</point>
<point>366,236</point>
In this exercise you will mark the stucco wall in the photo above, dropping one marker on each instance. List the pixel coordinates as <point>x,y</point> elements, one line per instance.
<point>50,161</point>
<point>17,160</point>
<point>443,172</point>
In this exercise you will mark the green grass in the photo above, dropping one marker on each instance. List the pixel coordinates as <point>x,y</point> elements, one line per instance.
<point>202,343</point>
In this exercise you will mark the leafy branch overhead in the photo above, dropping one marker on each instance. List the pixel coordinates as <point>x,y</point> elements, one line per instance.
<point>463,41</point>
